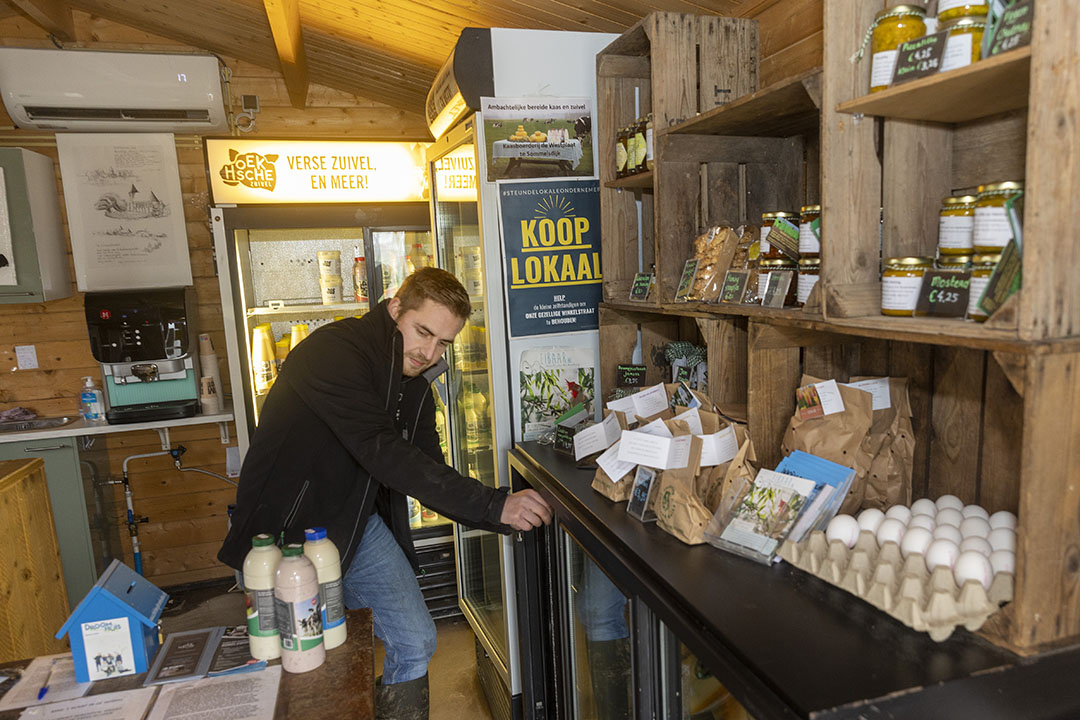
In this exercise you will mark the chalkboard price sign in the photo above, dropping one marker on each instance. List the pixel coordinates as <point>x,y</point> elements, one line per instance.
<point>639,291</point>
<point>630,375</point>
<point>1013,30</point>
<point>564,439</point>
<point>920,58</point>
<point>944,293</point>
<point>734,286</point>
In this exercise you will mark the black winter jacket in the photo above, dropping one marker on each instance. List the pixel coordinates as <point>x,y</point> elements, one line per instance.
<point>341,435</point>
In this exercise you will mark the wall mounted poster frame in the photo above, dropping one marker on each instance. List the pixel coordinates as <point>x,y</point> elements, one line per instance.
<point>125,210</point>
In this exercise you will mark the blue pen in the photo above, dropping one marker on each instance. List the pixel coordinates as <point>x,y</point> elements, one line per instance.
<point>45,685</point>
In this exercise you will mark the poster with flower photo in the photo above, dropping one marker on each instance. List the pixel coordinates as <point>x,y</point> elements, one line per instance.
<point>552,380</point>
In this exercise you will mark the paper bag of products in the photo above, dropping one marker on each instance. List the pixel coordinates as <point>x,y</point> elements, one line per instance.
<point>837,437</point>
<point>890,445</point>
<point>619,489</point>
<point>723,484</point>
<point>678,510</point>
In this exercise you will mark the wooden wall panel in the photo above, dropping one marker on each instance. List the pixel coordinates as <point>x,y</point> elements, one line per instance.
<point>186,510</point>
<point>956,422</point>
<point>1003,416</point>
<point>915,362</point>
<point>773,374</point>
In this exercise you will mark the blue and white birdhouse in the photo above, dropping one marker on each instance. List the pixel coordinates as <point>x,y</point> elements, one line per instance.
<point>114,631</point>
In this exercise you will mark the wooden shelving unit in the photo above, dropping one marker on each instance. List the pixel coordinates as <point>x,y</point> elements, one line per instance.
<point>641,181</point>
<point>996,406</point>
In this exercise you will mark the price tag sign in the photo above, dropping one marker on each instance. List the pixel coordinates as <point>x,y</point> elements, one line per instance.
<point>630,375</point>
<point>919,58</point>
<point>944,293</point>
<point>639,291</point>
<point>686,282</point>
<point>734,286</point>
<point>1014,28</point>
<point>776,288</point>
<point>564,439</point>
<point>682,374</point>
<point>784,235</point>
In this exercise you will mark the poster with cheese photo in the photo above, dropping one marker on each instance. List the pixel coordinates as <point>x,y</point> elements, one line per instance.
<point>537,137</point>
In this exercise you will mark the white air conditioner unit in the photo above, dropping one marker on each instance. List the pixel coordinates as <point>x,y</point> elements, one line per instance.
<point>92,91</point>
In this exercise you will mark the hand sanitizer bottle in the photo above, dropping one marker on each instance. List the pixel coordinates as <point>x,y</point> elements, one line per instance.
<point>91,402</point>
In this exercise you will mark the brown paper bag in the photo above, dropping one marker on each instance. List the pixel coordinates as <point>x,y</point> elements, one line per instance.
<point>837,437</point>
<point>618,491</point>
<point>740,472</point>
<point>678,510</point>
<point>891,447</point>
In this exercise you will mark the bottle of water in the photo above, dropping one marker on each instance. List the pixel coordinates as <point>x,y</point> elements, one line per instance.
<point>91,402</point>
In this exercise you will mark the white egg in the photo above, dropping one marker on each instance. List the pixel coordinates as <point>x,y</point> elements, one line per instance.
<point>973,565</point>
<point>941,553</point>
<point>924,506</point>
<point>978,544</point>
<point>1002,519</point>
<point>1003,561</point>
<point>950,533</point>
<point>949,501</point>
<point>922,521</point>
<point>975,527</point>
<point>843,528</point>
<point>890,530</point>
<point>916,540</point>
<point>1003,539</point>
<point>949,516</point>
<point>870,519</point>
<point>899,512</point>
<point>975,511</point>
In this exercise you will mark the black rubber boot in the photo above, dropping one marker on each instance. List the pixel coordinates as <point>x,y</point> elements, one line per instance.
<point>609,671</point>
<point>403,701</point>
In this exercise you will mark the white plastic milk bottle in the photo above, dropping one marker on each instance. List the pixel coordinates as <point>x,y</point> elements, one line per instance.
<point>323,554</point>
<point>259,567</point>
<point>296,601</point>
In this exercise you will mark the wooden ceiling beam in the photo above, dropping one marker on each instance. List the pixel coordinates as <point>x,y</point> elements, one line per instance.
<point>284,17</point>
<point>53,15</point>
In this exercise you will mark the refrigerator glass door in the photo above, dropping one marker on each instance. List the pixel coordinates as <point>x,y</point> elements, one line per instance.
<point>596,619</point>
<point>456,225</point>
<point>688,689</point>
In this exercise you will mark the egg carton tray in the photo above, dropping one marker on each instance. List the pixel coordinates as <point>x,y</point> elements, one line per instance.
<point>926,601</point>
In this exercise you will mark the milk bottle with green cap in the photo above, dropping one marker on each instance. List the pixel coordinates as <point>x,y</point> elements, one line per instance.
<point>296,604</point>
<point>259,567</point>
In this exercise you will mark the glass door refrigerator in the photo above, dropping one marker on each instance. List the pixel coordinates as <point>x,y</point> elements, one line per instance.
<point>493,391</point>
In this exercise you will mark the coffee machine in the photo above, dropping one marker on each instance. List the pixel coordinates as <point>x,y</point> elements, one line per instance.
<point>143,340</point>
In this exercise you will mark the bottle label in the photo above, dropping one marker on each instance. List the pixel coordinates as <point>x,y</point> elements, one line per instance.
<point>91,403</point>
<point>261,618</point>
<point>954,232</point>
<point>992,227</point>
<point>620,157</point>
<point>332,603</point>
<point>808,241</point>
<point>648,145</point>
<point>957,52</point>
<point>881,67</point>
<point>900,292</point>
<point>978,284</point>
<point>806,284</point>
<point>299,623</point>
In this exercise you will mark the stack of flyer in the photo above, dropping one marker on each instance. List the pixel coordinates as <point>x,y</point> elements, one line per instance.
<point>801,495</point>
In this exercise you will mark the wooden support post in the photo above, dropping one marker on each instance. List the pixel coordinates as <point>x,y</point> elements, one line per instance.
<point>618,337</point>
<point>284,17</point>
<point>1047,604</point>
<point>53,15</point>
<point>772,377</point>
<point>726,341</point>
<point>1002,423</point>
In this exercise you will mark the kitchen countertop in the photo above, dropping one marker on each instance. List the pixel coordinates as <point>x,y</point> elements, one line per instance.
<point>79,427</point>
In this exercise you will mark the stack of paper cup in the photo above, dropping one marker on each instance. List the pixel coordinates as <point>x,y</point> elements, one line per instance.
<point>330,276</point>
<point>210,382</point>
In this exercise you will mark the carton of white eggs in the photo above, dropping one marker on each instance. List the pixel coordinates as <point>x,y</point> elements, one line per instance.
<point>934,574</point>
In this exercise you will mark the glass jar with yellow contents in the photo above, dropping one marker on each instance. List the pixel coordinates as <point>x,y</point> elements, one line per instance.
<point>982,267</point>
<point>809,274</point>
<point>963,46</point>
<point>951,9</point>
<point>992,231</point>
<point>892,26</point>
<point>810,231</point>
<point>953,262</point>
<point>767,267</point>
<point>900,283</point>
<point>769,251</point>
<point>956,221</point>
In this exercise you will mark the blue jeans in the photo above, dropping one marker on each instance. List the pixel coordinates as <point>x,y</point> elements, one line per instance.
<point>601,607</point>
<point>381,578</point>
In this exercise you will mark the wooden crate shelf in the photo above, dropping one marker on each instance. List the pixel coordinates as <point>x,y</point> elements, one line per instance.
<point>988,87</point>
<point>789,107</point>
<point>641,181</point>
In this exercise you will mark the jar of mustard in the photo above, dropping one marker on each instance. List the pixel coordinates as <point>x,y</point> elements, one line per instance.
<point>892,26</point>
<point>620,153</point>
<point>982,267</point>
<point>769,266</point>
<point>963,46</point>
<point>810,231</point>
<point>958,263</point>
<point>991,231</point>
<point>956,222</point>
<point>951,9</point>
<point>900,284</point>
<point>809,274</point>
<point>768,251</point>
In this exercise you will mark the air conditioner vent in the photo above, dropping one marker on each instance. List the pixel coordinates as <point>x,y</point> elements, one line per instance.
<point>39,113</point>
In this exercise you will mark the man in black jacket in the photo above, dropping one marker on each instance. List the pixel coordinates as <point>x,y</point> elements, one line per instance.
<point>346,432</point>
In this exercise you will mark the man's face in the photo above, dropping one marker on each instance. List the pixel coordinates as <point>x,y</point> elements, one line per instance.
<point>426,332</point>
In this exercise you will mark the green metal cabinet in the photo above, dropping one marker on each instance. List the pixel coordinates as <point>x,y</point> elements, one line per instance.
<point>68,498</point>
